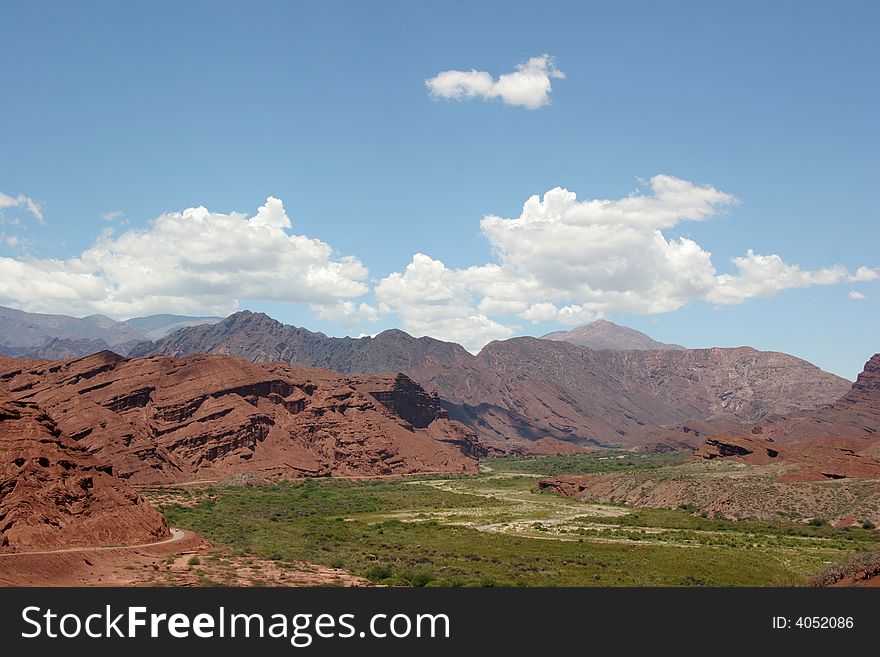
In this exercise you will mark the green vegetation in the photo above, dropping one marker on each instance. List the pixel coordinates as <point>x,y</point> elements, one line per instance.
<point>677,519</point>
<point>602,461</point>
<point>494,529</point>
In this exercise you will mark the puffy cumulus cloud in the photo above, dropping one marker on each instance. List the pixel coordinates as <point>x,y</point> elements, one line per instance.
<point>25,203</point>
<point>194,261</point>
<point>598,255</point>
<point>570,262</point>
<point>528,86</point>
<point>434,300</point>
<point>855,295</point>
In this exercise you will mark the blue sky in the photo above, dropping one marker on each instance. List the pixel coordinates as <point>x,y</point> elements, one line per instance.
<point>760,117</point>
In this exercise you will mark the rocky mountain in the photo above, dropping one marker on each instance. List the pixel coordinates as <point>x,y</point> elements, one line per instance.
<point>36,335</point>
<point>163,420</point>
<point>529,395</point>
<point>260,339</point>
<point>837,441</point>
<point>620,397</point>
<point>603,334</point>
<point>55,494</point>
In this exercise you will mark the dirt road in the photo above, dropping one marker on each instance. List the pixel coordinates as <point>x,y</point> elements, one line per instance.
<point>176,535</point>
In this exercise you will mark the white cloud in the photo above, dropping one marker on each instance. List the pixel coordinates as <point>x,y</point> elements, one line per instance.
<point>569,261</point>
<point>348,313</point>
<point>25,203</point>
<point>528,86</point>
<point>765,276</point>
<point>855,295</point>
<point>433,300</point>
<point>562,260</point>
<point>193,262</point>
<point>112,215</point>
<point>865,274</point>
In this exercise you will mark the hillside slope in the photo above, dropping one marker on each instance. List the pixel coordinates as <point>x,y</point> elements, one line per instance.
<point>163,420</point>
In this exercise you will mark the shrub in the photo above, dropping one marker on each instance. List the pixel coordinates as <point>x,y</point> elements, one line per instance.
<point>421,579</point>
<point>378,573</point>
<point>194,561</point>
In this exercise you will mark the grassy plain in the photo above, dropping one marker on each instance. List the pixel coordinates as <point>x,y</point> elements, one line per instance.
<point>496,529</point>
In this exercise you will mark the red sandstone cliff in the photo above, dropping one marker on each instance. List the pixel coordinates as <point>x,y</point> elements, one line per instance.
<point>162,420</point>
<point>54,494</point>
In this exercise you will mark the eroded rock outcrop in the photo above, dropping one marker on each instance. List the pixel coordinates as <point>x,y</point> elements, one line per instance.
<point>163,420</point>
<point>55,495</point>
<point>838,441</point>
<point>408,400</point>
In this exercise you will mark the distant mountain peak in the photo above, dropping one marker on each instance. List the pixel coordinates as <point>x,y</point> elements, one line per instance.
<point>39,335</point>
<point>247,316</point>
<point>605,334</point>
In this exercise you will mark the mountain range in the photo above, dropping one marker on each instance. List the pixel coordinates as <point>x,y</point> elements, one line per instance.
<point>530,395</point>
<point>37,335</point>
<point>248,396</point>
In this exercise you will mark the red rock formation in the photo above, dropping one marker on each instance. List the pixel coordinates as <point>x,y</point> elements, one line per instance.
<point>691,435</point>
<point>407,400</point>
<point>54,494</point>
<point>161,419</point>
<point>838,441</point>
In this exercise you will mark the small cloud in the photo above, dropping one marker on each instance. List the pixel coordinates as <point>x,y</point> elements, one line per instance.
<point>865,274</point>
<point>528,86</point>
<point>347,313</point>
<point>856,295</point>
<point>112,215</point>
<point>25,203</point>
